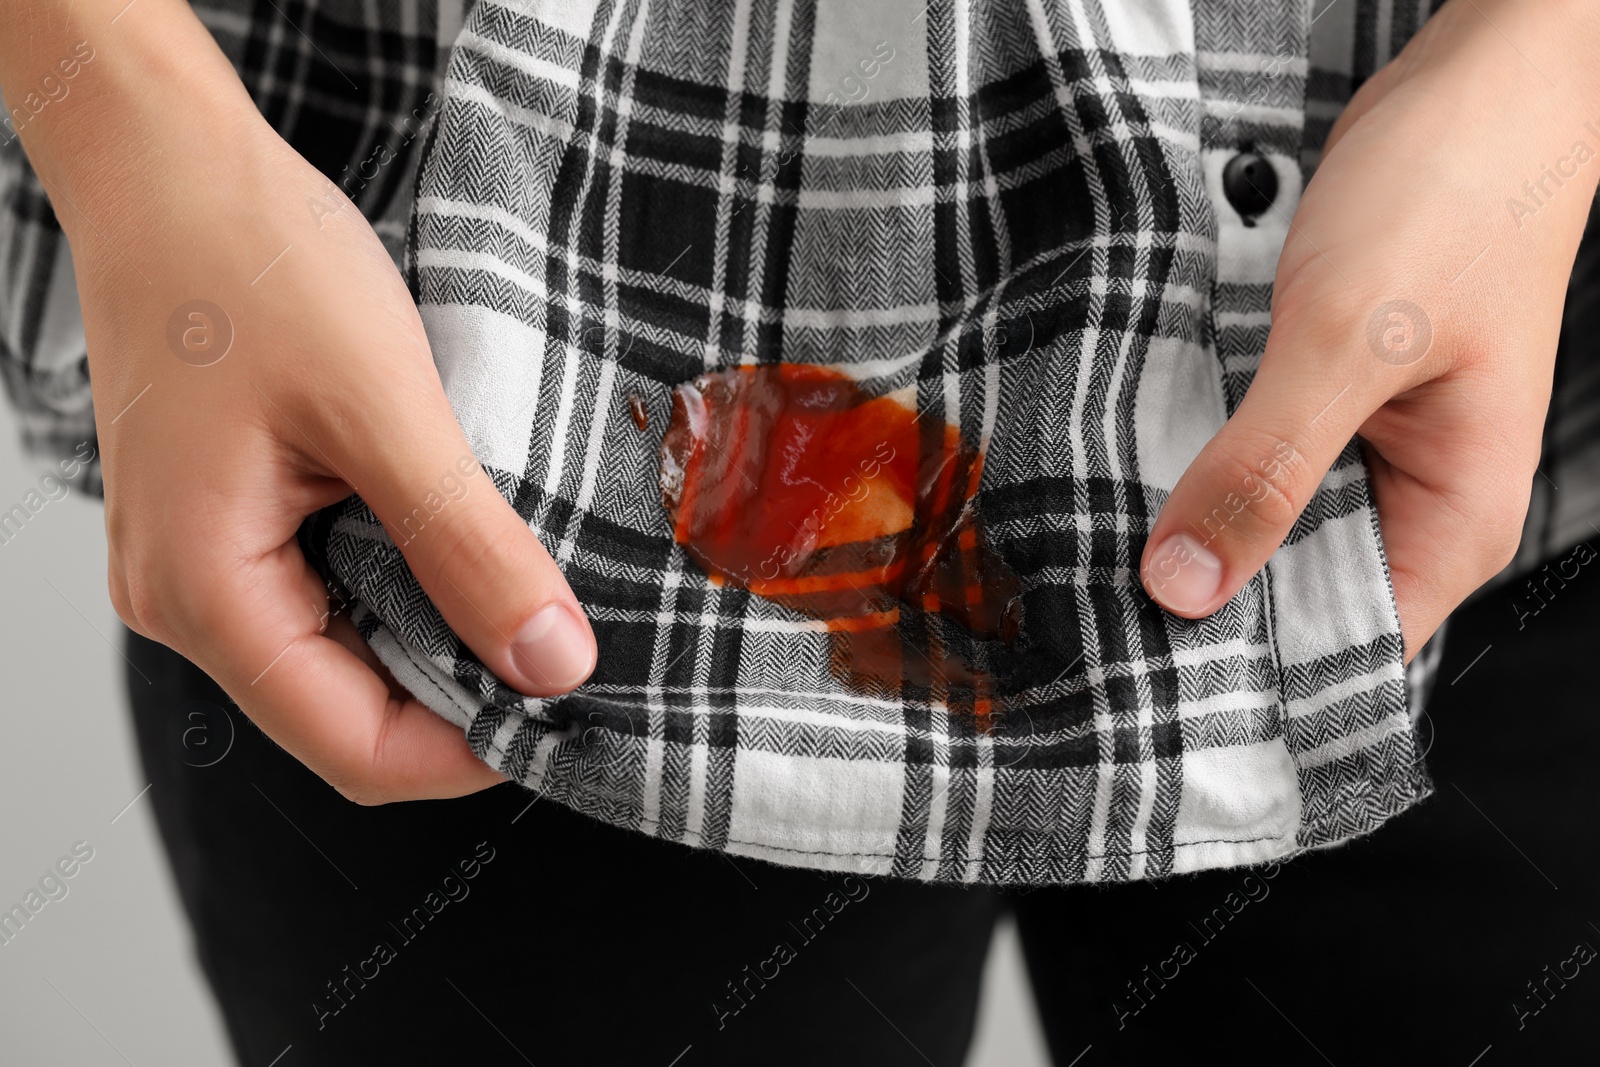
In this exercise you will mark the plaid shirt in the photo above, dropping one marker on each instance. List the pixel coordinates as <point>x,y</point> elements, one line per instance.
<point>1013,209</point>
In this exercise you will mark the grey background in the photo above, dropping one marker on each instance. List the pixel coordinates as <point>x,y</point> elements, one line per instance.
<point>107,974</point>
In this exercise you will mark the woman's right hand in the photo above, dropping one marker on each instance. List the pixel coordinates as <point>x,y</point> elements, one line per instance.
<point>172,189</point>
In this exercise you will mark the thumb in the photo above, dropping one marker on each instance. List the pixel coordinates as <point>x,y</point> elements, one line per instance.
<point>475,557</point>
<point>1241,496</point>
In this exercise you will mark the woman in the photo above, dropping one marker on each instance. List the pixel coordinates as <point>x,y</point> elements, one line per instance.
<point>1135,172</point>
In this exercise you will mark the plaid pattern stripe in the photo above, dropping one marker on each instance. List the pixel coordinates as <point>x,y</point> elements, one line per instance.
<point>1009,214</point>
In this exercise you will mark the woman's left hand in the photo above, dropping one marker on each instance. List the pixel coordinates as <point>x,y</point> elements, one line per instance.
<point>1417,303</point>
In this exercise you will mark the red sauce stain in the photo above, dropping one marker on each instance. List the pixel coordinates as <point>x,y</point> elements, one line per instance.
<point>790,481</point>
<point>641,417</point>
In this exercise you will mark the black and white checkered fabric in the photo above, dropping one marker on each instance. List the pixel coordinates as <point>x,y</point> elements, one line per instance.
<point>1012,211</point>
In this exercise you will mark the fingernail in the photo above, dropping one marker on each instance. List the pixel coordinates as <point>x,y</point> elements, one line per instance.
<point>553,650</point>
<point>1184,575</point>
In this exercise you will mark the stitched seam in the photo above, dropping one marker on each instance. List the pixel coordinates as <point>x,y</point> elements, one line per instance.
<point>1086,855</point>
<point>472,715</point>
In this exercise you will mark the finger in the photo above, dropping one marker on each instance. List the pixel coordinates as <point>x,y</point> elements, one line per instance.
<point>342,630</point>
<point>1453,516</point>
<point>476,558</point>
<point>1240,497</point>
<point>265,645</point>
<point>1423,537</point>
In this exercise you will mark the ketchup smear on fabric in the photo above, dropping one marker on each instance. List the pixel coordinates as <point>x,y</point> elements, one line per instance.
<point>788,480</point>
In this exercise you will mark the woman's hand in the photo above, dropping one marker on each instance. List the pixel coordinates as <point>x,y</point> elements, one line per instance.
<point>173,190</point>
<point>1418,305</point>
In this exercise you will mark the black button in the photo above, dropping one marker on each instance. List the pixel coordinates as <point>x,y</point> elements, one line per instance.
<point>1250,184</point>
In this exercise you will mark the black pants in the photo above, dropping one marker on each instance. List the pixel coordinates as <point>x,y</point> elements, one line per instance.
<point>485,930</point>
